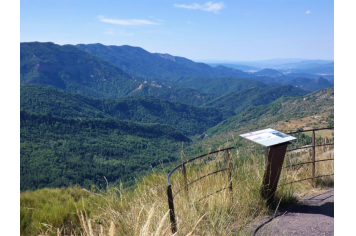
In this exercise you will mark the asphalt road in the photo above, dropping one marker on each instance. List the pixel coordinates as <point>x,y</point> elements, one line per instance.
<point>313,216</point>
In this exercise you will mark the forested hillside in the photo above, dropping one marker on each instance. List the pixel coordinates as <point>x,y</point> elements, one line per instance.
<point>190,120</point>
<point>237,102</point>
<point>73,70</point>
<point>174,94</point>
<point>282,110</point>
<point>58,152</point>
<point>220,85</point>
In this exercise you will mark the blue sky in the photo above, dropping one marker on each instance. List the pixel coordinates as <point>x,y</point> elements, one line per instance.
<point>199,30</point>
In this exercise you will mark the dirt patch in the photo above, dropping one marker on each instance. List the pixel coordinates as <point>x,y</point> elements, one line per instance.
<point>309,122</point>
<point>314,215</point>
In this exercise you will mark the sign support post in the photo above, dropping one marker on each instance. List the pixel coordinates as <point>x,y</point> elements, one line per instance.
<point>275,144</point>
<point>273,169</point>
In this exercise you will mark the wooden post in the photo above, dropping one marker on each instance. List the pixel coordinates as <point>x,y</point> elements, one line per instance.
<point>184,171</point>
<point>229,182</point>
<point>313,154</point>
<point>171,209</point>
<point>273,170</point>
<point>266,156</point>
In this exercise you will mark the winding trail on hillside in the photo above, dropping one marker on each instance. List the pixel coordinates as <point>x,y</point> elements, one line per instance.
<point>314,215</point>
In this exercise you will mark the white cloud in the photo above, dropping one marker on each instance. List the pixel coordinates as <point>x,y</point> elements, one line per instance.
<point>208,6</point>
<point>308,12</point>
<point>127,21</point>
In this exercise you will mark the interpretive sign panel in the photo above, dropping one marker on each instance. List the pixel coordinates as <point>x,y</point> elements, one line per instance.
<point>268,137</point>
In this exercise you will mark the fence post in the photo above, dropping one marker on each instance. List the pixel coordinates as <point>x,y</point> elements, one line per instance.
<point>184,171</point>
<point>229,182</point>
<point>171,209</point>
<point>313,154</point>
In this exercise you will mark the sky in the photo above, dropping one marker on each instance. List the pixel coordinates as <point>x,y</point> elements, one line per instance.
<point>236,30</point>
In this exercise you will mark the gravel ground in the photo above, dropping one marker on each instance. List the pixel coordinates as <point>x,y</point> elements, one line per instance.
<point>314,215</point>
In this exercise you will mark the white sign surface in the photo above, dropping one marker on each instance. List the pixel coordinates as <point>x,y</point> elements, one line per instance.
<point>268,137</point>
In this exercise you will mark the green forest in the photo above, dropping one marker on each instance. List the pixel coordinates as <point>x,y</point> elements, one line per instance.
<point>59,152</point>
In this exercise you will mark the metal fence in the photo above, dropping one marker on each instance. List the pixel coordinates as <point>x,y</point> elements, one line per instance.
<point>313,146</point>
<point>185,188</point>
<point>182,166</point>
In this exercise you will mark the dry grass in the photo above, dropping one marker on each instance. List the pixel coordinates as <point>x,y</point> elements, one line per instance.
<point>309,122</point>
<point>143,211</point>
<point>305,171</point>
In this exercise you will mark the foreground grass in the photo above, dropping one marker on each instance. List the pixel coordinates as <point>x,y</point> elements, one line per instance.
<point>144,210</point>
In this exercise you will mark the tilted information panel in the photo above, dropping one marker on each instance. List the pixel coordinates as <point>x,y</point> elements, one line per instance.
<point>268,137</point>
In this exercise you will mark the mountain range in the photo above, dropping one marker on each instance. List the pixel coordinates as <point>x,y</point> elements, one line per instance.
<point>89,111</point>
<point>157,66</point>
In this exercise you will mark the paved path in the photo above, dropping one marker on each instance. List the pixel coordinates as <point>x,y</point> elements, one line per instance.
<point>313,216</point>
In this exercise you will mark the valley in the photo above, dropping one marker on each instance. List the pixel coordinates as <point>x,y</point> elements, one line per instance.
<point>91,108</point>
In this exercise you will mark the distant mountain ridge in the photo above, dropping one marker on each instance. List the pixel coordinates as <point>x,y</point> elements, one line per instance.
<point>74,70</point>
<point>156,66</point>
<point>120,71</point>
<point>268,72</point>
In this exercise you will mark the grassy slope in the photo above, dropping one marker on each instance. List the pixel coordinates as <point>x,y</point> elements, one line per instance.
<point>144,210</point>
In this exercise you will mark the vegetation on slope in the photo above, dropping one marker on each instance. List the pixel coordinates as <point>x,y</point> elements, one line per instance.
<point>174,94</point>
<point>190,120</point>
<point>317,84</point>
<point>55,102</point>
<point>220,85</point>
<point>58,152</point>
<point>237,102</point>
<point>73,70</point>
<point>144,210</point>
<point>276,114</point>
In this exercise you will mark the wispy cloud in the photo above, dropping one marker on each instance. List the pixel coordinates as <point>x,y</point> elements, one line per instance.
<point>127,21</point>
<point>308,12</point>
<point>208,6</point>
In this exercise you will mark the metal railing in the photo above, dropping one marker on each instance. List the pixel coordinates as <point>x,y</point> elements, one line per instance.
<point>313,161</point>
<point>186,184</point>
